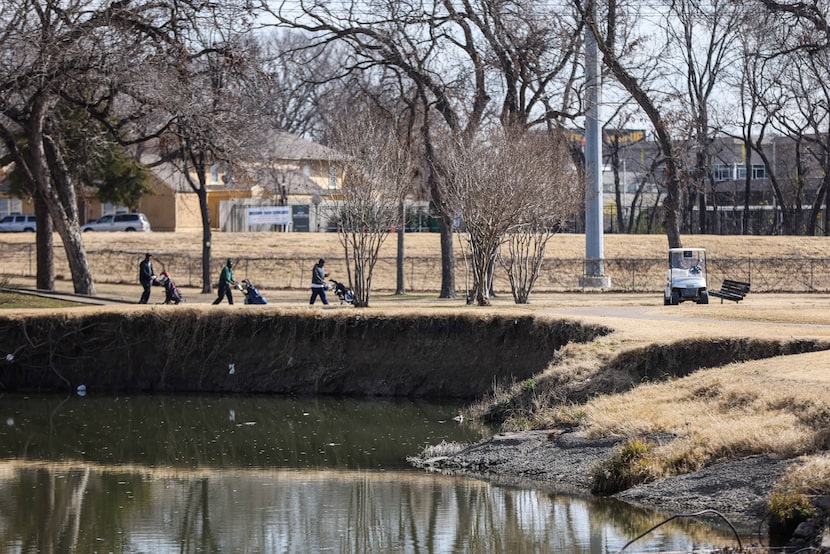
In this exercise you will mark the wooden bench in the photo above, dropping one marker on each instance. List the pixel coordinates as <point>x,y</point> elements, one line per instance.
<point>731,290</point>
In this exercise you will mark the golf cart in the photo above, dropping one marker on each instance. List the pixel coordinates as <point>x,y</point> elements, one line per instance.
<point>686,278</point>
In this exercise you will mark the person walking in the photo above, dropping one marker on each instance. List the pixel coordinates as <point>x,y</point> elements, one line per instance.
<point>146,277</point>
<point>318,282</point>
<point>226,282</point>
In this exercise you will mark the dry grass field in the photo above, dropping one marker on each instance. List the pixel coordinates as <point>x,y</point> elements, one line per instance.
<point>312,245</point>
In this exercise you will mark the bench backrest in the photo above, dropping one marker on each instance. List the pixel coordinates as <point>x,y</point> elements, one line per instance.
<point>729,284</point>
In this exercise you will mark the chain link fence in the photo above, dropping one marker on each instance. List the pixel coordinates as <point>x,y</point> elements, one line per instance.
<point>423,274</point>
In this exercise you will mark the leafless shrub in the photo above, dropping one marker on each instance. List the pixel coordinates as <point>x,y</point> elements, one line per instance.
<point>510,187</point>
<point>376,168</point>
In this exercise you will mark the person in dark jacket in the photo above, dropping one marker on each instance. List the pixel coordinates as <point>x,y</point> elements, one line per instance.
<point>318,282</point>
<point>146,277</point>
<point>226,282</point>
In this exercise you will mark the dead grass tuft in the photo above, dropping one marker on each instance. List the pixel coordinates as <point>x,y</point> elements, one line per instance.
<point>630,464</point>
<point>809,476</point>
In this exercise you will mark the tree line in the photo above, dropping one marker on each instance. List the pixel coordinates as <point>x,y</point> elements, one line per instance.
<point>464,103</point>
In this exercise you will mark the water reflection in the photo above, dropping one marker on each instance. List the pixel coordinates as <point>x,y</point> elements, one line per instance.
<point>274,475</point>
<point>226,432</point>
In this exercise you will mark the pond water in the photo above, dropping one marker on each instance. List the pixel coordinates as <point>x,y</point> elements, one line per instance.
<point>278,474</point>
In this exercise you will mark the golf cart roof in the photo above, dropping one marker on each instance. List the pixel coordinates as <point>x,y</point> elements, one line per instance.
<point>687,249</point>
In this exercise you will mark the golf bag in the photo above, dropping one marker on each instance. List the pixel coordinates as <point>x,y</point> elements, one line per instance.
<point>252,295</point>
<point>172,295</point>
<point>344,293</point>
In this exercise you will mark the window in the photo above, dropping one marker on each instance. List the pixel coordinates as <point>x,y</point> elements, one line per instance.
<point>721,172</point>
<point>332,178</point>
<point>740,171</point>
<point>759,171</point>
<point>10,206</point>
<point>214,174</point>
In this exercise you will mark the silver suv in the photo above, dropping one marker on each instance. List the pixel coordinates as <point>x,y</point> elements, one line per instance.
<point>18,223</point>
<point>119,222</point>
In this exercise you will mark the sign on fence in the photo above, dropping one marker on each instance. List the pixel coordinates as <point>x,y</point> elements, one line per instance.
<point>269,215</point>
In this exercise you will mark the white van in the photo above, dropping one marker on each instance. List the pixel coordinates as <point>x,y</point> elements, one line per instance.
<point>18,223</point>
<point>119,222</point>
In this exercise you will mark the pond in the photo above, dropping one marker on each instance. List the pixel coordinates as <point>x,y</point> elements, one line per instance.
<point>278,474</point>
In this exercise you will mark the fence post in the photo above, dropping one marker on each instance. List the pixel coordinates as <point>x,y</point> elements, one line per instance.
<point>812,263</point>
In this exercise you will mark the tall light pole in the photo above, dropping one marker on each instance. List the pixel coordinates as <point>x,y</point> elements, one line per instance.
<point>594,276</point>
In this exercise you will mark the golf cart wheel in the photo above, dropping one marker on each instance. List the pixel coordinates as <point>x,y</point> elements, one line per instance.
<point>704,298</point>
<point>666,300</point>
<point>675,297</point>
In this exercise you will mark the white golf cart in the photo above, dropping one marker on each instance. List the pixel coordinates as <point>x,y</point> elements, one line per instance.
<point>686,278</point>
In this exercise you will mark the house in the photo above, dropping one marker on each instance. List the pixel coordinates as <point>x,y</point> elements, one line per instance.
<point>10,204</point>
<point>294,175</point>
<point>291,172</point>
<point>170,206</point>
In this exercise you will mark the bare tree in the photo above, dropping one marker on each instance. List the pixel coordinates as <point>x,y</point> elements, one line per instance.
<point>99,58</point>
<point>554,195</point>
<point>639,80</point>
<point>376,167</point>
<point>211,111</point>
<point>702,38</point>
<point>465,59</point>
<point>510,185</point>
<point>52,54</point>
<point>786,59</point>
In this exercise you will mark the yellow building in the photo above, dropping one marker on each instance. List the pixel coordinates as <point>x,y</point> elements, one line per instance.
<point>292,172</point>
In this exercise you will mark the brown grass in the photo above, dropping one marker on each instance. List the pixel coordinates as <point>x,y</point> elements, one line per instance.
<point>723,413</point>
<point>312,245</point>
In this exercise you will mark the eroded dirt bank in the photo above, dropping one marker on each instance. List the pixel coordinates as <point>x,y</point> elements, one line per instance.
<point>278,351</point>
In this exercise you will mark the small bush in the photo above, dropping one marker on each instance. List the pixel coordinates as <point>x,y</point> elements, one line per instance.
<point>441,450</point>
<point>627,466</point>
<point>787,509</point>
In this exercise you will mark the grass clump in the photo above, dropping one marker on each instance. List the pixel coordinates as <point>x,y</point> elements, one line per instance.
<point>792,500</point>
<point>431,452</point>
<point>629,465</point>
<point>787,509</point>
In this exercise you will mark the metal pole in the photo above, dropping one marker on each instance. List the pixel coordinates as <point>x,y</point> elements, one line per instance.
<point>594,263</point>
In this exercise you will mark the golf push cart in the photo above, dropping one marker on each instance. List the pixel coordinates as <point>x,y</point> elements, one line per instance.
<point>686,278</point>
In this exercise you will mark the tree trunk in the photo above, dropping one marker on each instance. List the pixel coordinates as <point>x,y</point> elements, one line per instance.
<point>615,166</point>
<point>447,258</point>
<point>400,287</point>
<point>207,286</point>
<point>44,245</point>
<point>747,185</point>
<point>58,193</point>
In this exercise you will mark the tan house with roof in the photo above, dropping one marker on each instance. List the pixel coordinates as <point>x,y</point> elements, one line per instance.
<point>294,172</point>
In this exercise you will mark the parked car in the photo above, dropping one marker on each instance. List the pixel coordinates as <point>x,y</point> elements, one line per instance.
<point>119,222</point>
<point>18,223</point>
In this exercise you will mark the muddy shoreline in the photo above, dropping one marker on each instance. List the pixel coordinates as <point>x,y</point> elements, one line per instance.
<point>562,461</point>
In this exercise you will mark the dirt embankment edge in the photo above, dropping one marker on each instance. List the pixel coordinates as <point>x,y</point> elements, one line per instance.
<point>302,352</point>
